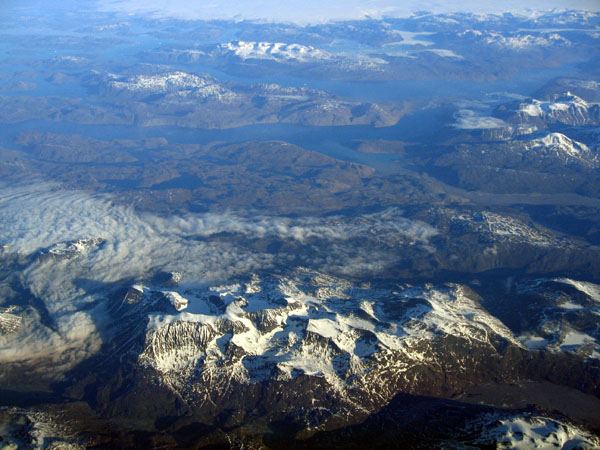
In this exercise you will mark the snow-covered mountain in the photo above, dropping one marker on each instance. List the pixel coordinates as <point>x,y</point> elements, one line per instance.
<point>179,83</point>
<point>185,84</point>
<point>586,88</point>
<point>500,228</point>
<point>562,316</point>
<point>563,148</point>
<point>183,99</point>
<point>526,431</point>
<point>546,152</point>
<point>276,51</point>
<point>516,41</point>
<point>361,344</point>
<point>294,54</point>
<point>559,109</point>
<point>542,162</point>
<point>162,83</point>
<point>312,324</point>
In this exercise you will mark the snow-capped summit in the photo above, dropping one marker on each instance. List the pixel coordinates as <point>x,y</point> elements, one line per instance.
<point>561,141</point>
<point>276,51</point>
<point>564,147</point>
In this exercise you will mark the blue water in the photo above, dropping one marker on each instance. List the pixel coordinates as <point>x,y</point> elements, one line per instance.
<point>332,141</point>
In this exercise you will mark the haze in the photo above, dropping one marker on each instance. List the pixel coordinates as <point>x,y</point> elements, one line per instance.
<point>313,11</point>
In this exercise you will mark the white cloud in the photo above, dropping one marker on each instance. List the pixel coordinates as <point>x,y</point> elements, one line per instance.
<point>40,215</point>
<point>472,120</point>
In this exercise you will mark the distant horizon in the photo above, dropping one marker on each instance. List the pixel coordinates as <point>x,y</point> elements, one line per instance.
<point>313,12</point>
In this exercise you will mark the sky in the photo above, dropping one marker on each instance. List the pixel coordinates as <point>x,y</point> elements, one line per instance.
<point>316,11</point>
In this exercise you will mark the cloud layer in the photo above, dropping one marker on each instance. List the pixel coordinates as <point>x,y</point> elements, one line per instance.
<point>471,120</point>
<point>37,216</point>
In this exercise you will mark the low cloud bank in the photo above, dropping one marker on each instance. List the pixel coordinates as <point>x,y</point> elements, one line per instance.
<point>472,120</point>
<point>38,216</point>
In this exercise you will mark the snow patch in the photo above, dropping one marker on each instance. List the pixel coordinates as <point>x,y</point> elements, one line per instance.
<point>575,339</point>
<point>527,432</point>
<point>592,290</point>
<point>533,342</point>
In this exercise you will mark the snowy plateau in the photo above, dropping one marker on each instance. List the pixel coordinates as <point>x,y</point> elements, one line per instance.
<point>361,344</point>
<point>315,325</point>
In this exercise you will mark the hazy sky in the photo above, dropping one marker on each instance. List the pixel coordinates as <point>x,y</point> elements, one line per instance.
<point>303,11</point>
